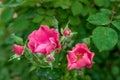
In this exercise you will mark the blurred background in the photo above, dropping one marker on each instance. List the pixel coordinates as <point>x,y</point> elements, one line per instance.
<point>21,17</point>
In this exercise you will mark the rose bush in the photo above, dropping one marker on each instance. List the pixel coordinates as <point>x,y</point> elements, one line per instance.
<point>46,41</point>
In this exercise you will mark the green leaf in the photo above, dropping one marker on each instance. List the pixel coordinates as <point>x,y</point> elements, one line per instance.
<point>104,38</point>
<point>118,44</point>
<point>74,20</point>
<point>41,11</point>
<point>7,15</point>
<point>38,19</point>
<point>12,4</point>
<point>48,21</point>
<point>18,40</point>
<point>116,17</point>
<point>55,23</point>
<point>47,0</point>
<point>116,23</point>
<point>76,8</point>
<point>30,2</point>
<point>86,40</point>
<point>15,56</point>
<point>118,78</point>
<point>99,2</point>
<point>115,70</point>
<point>106,11</point>
<point>53,74</point>
<point>99,19</point>
<point>50,12</point>
<point>64,4</point>
<point>20,24</point>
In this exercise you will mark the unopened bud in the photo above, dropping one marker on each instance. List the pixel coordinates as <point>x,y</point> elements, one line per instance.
<point>50,58</point>
<point>18,49</point>
<point>67,32</point>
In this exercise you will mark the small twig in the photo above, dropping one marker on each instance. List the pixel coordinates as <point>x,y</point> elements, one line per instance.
<point>111,18</point>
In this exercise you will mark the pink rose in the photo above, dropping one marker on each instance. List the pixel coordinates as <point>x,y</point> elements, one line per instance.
<point>44,40</point>
<point>67,32</point>
<point>79,57</point>
<point>18,49</point>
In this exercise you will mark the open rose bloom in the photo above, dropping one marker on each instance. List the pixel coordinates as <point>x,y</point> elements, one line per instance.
<point>79,57</point>
<point>44,40</point>
<point>18,49</point>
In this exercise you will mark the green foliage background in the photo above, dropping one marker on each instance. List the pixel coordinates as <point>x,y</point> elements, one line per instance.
<point>97,23</point>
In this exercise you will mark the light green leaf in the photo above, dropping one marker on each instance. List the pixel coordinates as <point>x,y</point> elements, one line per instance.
<point>7,14</point>
<point>18,40</point>
<point>99,19</point>
<point>55,23</point>
<point>116,23</point>
<point>104,38</point>
<point>15,56</point>
<point>76,8</point>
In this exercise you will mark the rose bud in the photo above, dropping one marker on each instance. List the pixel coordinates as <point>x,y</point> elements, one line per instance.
<point>66,32</point>
<point>50,58</point>
<point>18,49</point>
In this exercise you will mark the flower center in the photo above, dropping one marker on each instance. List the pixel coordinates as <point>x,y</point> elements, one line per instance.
<point>79,56</point>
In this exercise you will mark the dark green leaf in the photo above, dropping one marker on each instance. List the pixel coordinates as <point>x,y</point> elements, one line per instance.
<point>74,21</point>
<point>115,70</point>
<point>118,44</point>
